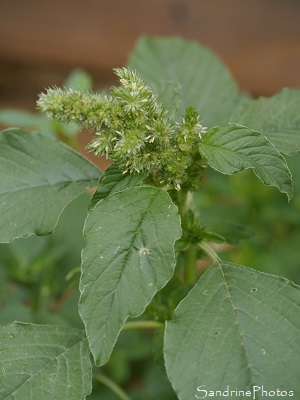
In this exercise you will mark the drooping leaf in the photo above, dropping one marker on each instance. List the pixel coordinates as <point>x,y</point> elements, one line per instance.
<point>204,81</point>
<point>39,177</point>
<point>232,148</point>
<point>277,117</point>
<point>129,256</point>
<point>114,180</point>
<point>44,362</point>
<point>237,327</point>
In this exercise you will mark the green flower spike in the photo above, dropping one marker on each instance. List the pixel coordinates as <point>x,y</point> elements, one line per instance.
<point>132,128</point>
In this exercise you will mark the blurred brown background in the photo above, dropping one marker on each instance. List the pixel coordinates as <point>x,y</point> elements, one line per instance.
<point>41,41</point>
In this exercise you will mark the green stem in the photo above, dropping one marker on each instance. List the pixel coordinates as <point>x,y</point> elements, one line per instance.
<point>181,199</point>
<point>190,255</point>
<point>142,325</point>
<point>111,385</point>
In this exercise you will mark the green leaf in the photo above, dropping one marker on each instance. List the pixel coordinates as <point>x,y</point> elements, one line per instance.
<point>44,362</point>
<point>232,148</point>
<point>227,231</point>
<point>204,81</point>
<point>129,256</point>
<point>169,96</point>
<point>277,117</point>
<point>26,119</point>
<point>39,177</point>
<point>114,180</point>
<point>79,79</point>
<point>236,327</point>
<point>31,121</point>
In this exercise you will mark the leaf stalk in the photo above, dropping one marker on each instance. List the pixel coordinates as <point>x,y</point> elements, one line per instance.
<point>111,385</point>
<point>142,325</point>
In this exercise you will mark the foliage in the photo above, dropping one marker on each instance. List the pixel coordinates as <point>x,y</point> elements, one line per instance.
<point>156,214</point>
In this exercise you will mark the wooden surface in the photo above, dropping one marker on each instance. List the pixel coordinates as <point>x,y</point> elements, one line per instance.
<point>40,41</point>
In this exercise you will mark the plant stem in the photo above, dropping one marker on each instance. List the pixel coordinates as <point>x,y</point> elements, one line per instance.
<point>111,385</point>
<point>190,255</point>
<point>142,325</point>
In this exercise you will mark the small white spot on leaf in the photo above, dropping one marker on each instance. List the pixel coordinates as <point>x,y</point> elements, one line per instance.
<point>144,251</point>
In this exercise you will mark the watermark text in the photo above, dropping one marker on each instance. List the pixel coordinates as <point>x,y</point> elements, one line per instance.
<point>255,392</point>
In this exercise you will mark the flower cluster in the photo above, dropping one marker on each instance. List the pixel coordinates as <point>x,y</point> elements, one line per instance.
<point>132,128</point>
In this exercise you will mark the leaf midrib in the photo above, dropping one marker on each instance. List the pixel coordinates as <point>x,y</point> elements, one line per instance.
<point>45,365</point>
<point>47,184</point>
<point>243,346</point>
<point>130,248</point>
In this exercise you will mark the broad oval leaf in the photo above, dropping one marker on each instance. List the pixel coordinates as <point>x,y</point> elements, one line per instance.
<point>239,328</point>
<point>129,256</point>
<point>204,81</point>
<point>277,117</point>
<point>114,180</point>
<point>232,148</point>
<point>44,362</point>
<point>169,96</point>
<point>39,177</point>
